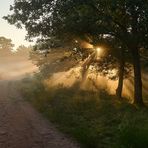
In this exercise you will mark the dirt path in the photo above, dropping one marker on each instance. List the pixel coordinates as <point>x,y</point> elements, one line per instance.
<point>23,127</point>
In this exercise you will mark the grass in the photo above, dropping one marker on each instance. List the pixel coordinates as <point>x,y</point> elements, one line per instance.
<point>95,120</point>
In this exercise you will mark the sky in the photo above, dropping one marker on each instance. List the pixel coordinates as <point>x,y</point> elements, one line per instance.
<point>10,31</point>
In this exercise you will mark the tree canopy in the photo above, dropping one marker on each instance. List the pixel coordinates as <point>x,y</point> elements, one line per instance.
<point>83,17</point>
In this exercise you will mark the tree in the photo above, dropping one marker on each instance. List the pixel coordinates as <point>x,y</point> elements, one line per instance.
<point>5,46</point>
<point>70,27</point>
<point>58,60</point>
<point>23,52</point>
<point>124,20</point>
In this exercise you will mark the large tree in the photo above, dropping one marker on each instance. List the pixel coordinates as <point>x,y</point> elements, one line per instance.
<point>124,20</point>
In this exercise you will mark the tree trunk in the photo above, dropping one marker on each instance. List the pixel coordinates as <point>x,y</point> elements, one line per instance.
<point>86,65</point>
<point>137,77</point>
<point>120,74</point>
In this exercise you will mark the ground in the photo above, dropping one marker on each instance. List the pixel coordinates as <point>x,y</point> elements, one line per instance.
<point>21,126</point>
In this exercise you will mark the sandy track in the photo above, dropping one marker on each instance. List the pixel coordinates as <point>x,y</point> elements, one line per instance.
<point>21,126</point>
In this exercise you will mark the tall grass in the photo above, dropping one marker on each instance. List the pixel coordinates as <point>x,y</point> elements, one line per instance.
<point>95,120</point>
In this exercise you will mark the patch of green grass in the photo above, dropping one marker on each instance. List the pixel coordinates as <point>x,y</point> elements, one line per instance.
<point>134,130</point>
<point>95,120</point>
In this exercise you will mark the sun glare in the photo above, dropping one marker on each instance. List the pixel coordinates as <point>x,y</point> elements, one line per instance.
<point>98,51</point>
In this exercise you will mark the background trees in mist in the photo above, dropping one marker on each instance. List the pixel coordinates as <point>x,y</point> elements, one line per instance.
<point>5,46</point>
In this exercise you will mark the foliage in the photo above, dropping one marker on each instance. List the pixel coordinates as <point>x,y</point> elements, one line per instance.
<point>57,60</point>
<point>133,132</point>
<point>94,119</point>
<point>5,46</point>
<point>123,24</point>
<point>86,18</point>
<point>23,51</point>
